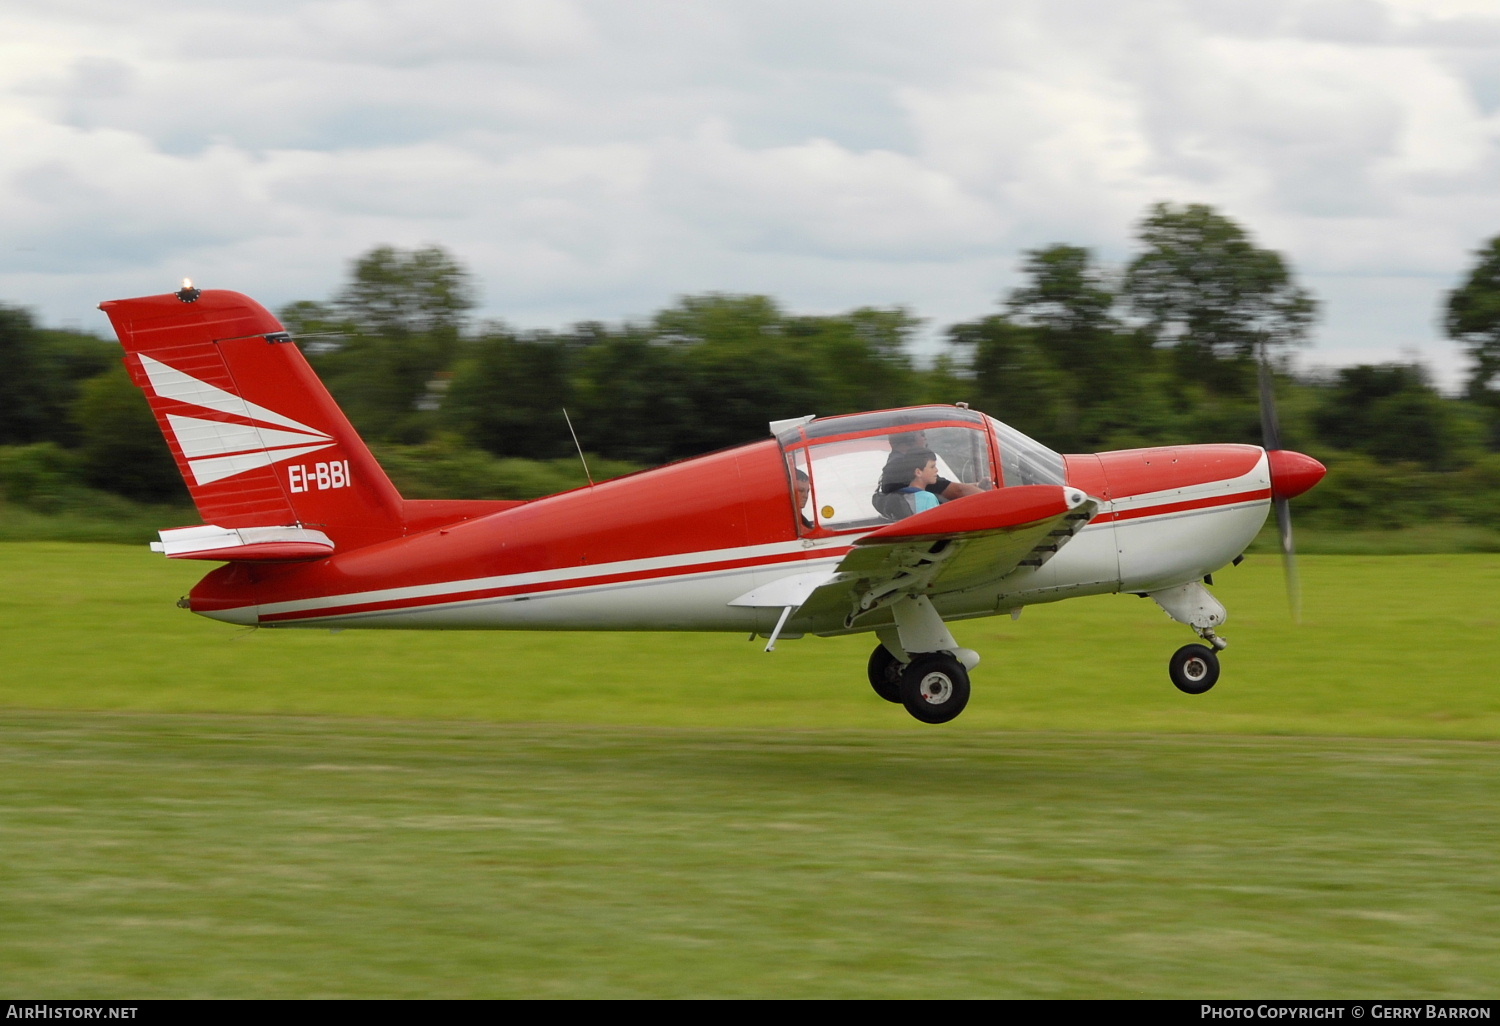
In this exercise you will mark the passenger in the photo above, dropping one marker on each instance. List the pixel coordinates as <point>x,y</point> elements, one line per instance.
<point>942,488</point>
<point>895,478</point>
<point>906,486</point>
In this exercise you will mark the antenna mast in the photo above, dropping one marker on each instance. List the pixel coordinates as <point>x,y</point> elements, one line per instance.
<point>579,447</point>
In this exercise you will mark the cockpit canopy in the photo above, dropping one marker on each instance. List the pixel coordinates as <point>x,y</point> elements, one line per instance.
<point>844,470</point>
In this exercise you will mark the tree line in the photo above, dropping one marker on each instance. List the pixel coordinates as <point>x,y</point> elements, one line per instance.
<point>1085,357</point>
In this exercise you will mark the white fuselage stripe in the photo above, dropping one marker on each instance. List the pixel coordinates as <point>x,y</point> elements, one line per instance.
<point>582,590</point>
<point>688,560</point>
<point>684,560</point>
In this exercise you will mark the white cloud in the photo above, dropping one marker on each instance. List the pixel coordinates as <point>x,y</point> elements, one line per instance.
<point>80,201</point>
<point>820,198</point>
<point>591,159</point>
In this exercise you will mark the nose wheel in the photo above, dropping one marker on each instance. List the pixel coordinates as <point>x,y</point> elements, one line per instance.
<point>1194,669</point>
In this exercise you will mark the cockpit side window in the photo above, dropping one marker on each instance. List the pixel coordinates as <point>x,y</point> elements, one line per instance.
<point>802,492</point>
<point>840,469</point>
<point>847,472</point>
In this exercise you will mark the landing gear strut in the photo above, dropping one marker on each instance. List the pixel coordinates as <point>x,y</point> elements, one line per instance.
<point>1194,669</point>
<point>919,664</point>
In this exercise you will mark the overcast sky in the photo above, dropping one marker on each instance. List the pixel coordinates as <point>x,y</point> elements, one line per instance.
<point>592,160</point>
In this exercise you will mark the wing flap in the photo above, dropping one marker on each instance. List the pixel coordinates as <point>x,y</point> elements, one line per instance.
<point>786,591</point>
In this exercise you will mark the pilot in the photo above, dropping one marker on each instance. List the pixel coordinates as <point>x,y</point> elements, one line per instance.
<point>906,485</point>
<point>803,492</point>
<point>894,479</point>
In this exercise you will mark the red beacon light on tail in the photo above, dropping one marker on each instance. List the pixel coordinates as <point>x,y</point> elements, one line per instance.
<point>892,523</point>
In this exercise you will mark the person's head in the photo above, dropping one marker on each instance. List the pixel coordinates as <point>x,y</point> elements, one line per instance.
<point>917,468</point>
<point>908,441</point>
<point>802,486</point>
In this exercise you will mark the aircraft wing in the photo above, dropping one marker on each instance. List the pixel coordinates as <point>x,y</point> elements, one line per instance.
<point>969,543</point>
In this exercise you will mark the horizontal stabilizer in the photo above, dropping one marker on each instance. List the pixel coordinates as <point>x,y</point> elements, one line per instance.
<point>256,544</point>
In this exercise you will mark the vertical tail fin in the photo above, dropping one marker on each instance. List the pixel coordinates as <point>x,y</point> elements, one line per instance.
<point>266,453</point>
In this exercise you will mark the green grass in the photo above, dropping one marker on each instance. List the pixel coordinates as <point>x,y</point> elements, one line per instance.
<point>223,856</point>
<point>1388,646</point>
<point>189,809</point>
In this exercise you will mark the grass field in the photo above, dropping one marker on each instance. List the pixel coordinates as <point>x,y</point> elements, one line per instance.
<point>188,809</point>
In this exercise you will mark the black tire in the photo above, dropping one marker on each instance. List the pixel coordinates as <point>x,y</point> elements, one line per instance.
<point>885,674</point>
<point>935,687</point>
<point>1194,669</point>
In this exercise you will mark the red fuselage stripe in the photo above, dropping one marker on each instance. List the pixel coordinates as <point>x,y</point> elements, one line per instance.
<point>526,589</point>
<point>1187,504</point>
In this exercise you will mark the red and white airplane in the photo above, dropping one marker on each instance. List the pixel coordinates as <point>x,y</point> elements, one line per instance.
<point>804,532</point>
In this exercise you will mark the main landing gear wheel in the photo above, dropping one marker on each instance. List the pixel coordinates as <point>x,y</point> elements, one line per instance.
<point>935,687</point>
<point>885,674</point>
<point>1194,668</point>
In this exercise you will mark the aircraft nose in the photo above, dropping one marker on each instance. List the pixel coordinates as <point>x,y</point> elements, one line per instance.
<point>1293,473</point>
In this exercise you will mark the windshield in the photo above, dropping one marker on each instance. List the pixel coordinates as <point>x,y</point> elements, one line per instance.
<point>1024,460</point>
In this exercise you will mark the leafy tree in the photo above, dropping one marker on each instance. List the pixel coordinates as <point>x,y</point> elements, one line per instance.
<point>1477,487</point>
<point>70,359</point>
<point>1059,364</point>
<point>739,368</point>
<point>1068,302</point>
<point>396,293</point>
<point>1361,491</point>
<point>43,476</point>
<point>1391,412</point>
<point>120,444</point>
<point>1066,295</point>
<point>1472,318</point>
<point>386,337</point>
<point>42,371</point>
<point>508,394</point>
<point>949,380</point>
<point>707,372</point>
<point>633,395</point>
<point>1203,287</point>
<point>860,358</point>
<point>23,386</point>
<point>1016,381</point>
<point>442,469</point>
